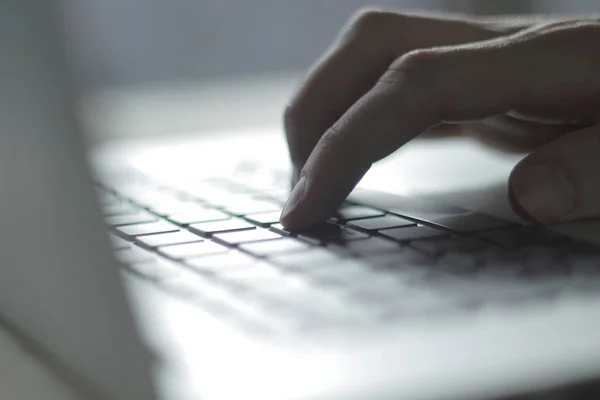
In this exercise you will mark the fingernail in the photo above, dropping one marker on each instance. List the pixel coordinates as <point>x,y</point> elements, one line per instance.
<point>544,192</point>
<point>295,198</point>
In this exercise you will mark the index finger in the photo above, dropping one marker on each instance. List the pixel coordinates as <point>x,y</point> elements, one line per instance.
<point>527,72</point>
<point>365,49</point>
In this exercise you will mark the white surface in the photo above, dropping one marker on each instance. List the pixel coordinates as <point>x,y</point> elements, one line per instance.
<point>473,356</point>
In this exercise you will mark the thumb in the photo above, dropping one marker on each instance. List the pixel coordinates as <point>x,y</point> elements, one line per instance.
<point>560,181</point>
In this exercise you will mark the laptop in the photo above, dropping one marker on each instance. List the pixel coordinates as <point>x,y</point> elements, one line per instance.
<point>163,272</point>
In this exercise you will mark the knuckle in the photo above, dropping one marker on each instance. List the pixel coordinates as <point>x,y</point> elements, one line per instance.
<point>415,65</point>
<point>370,24</point>
<point>368,18</point>
<point>587,29</point>
<point>290,117</point>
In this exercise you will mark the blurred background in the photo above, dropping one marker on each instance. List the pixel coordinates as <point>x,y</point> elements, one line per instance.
<point>200,60</point>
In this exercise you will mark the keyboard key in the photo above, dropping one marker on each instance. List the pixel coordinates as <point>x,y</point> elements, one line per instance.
<point>385,222</point>
<point>274,247</point>
<point>252,235</point>
<point>373,245</point>
<point>264,218</point>
<point>458,262</point>
<point>349,213</point>
<point>516,237</point>
<point>315,258</point>
<point>330,233</point>
<point>191,250</point>
<point>252,206</point>
<point>501,269</point>
<point>192,286</point>
<point>130,219</point>
<point>198,215</point>
<point>436,246</point>
<point>280,229</point>
<point>156,269</point>
<point>121,208</point>
<point>148,197</point>
<point>411,233</point>
<point>209,228</point>
<point>349,272</point>
<point>133,255</point>
<point>284,286</point>
<point>215,264</point>
<point>468,222</point>
<point>405,262</point>
<point>147,229</point>
<point>165,239</point>
<point>174,206</point>
<point>258,274</point>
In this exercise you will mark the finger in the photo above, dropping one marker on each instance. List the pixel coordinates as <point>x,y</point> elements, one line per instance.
<point>527,72</point>
<point>512,134</point>
<point>559,182</point>
<point>358,58</point>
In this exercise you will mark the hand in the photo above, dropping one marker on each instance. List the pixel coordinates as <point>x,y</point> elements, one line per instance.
<point>391,77</point>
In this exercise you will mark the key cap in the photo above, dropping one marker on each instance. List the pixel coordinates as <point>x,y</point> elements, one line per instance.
<point>349,213</point>
<point>584,265</point>
<point>191,250</point>
<point>257,274</point>
<point>197,216</point>
<point>372,245</point>
<point>174,206</point>
<point>133,255</point>
<point>457,262</point>
<point>385,222</point>
<point>156,269</point>
<point>192,285</point>
<point>138,218</point>
<point>326,232</point>
<point>252,206</point>
<point>501,270</point>
<point>284,286</point>
<point>411,233</point>
<point>513,238</point>
<point>274,247</point>
<point>349,272</point>
<point>246,236</point>
<point>280,229</point>
<point>165,239</point>
<point>147,229</point>
<point>315,258</point>
<point>435,246</point>
<point>472,222</point>
<point>264,218</point>
<point>209,228</point>
<point>404,258</point>
<point>148,197</point>
<point>121,208</point>
<point>214,264</point>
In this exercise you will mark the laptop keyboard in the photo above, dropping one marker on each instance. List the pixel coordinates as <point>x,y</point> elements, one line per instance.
<point>218,243</point>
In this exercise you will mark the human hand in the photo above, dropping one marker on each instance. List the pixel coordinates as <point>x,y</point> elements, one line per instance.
<point>517,83</point>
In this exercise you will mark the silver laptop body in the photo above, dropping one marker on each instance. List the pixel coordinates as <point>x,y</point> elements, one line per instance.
<point>397,298</point>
